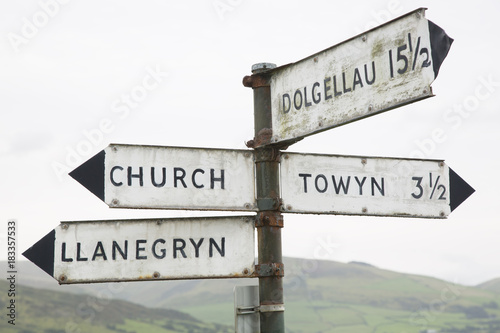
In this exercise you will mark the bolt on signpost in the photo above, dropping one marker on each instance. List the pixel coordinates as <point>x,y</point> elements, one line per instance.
<point>381,69</point>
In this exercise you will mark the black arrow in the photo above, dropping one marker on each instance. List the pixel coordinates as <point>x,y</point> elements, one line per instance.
<point>91,174</point>
<point>440,46</point>
<point>459,190</point>
<point>42,253</point>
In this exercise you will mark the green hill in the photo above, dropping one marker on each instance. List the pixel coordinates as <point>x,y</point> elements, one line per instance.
<point>357,297</point>
<point>48,311</point>
<point>323,296</point>
<point>491,285</point>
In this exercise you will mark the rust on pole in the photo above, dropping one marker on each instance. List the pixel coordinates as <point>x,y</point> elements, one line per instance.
<point>270,269</point>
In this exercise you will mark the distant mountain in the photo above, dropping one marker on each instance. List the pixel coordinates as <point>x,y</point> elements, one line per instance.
<point>321,296</point>
<point>491,285</point>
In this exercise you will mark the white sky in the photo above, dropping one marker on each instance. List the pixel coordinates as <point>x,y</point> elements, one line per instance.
<point>64,78</point>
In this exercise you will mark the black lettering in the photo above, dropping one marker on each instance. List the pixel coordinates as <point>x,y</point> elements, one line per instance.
<point>297,93</point>
<point>179,248</point>
<point>63,253</point>
<point>196,246</point>
<point>138,249</point>
<point>360,184</point>
<point>346,90</point>
<point>327,87</point>
<point>341,185</point>
<point>380,188</point>
<point>164,177</point>
<point>179,177</point>
<point>112,173</point>
<point>286,109</point>
<point>221,249</point>
<point>401,56</point>
<point>130,175</point>
<point>193,178</point>
<point>316,96</point>
<point>162,251</point>
<point>305,175</point>
<point>307,104</point>
<point>370,82</point>
<point>124,254</point>
<point>335,92</point>
<point>78,251</point>
<point>213,179</point>
<point>323,190</point>
<point>427,61</point>
<point>391,66</point>
<point>419,186</point>
<point>357,79</point>
<point>99,252</point>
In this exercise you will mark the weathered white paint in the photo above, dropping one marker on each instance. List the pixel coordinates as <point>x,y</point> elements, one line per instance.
<point>91,262</point>
<point>311,80</point>
<point>371,186</point>
<point>194,191</point>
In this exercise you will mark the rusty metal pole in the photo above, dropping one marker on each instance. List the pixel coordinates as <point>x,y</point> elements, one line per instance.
<point>269,219</point>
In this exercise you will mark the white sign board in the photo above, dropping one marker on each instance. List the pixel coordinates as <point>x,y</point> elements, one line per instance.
<point>152,249</point>
<point>134,176</point>
<point>351,185</point>
<point>381,69</point>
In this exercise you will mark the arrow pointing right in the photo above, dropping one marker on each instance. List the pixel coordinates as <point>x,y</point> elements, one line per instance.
<point>459,190</point>
<point>376,186</point>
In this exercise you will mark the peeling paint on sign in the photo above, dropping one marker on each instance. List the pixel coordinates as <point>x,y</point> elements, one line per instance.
<point>381,69</point>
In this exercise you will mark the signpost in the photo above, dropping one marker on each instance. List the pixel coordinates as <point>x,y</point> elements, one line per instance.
<point>151,249</point>
<point>379,186</point>
<point>134,176</point>
<point>381,69</point>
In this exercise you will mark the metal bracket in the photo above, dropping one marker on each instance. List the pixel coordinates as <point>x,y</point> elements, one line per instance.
<point>256,81</point>
<point>268,154</point>
<point>268,203</point>
<point>272,308</point>
<point>272,269</point>
<point>269,218</point>
<point>242,310</point>
<point>262,138</point>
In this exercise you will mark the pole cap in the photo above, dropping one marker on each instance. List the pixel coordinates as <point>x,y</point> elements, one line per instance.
<point>262,67</point>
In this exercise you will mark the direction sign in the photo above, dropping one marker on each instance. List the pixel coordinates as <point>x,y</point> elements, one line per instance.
<point>379,186</point>
<point>151,249</point>
<point>134,176</point>
<point>381,69</point>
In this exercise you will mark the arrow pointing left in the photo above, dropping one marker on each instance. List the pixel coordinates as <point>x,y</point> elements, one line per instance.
<point>157,177</point>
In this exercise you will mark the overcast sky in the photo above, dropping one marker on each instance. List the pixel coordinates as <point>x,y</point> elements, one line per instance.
<point>67,67</point>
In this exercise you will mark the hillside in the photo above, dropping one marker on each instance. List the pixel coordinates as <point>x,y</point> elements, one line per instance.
<point>323,296</point>
<point>48,311</point>
<point>491,285</point>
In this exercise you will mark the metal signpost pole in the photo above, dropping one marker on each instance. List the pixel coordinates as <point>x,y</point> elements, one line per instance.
<point>269,219</point>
